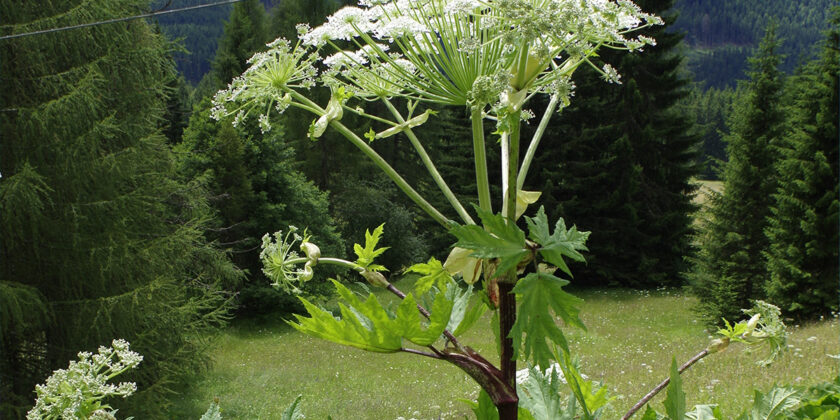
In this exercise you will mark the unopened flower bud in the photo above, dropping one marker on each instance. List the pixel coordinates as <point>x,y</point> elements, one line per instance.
<point>752,323</point>
<point>375,278</point>
<point>312,252</point>
<point>307,272</point>
<point>718,345</point>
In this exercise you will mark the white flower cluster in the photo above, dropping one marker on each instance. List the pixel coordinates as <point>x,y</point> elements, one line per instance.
<point>457,46</point>
<point>266,84</point>
<point>77,392</point>
<point>452,52</point>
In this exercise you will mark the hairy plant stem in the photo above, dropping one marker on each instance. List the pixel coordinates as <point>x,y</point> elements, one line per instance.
<point>430,166</point>
<point>663,384</point>
<point>482,181</point>
<point>401,183</point>
<point>421,353</point>
<point>507,300</point>
<point>535,141</point>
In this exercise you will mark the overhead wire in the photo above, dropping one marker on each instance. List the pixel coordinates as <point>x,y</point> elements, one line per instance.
<point>161,11</point>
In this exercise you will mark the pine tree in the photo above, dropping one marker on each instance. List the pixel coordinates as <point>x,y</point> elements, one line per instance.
<point>618,162</point>
<point>288,13</point>
<point>246,32</point>
<point>730,269</point>
<point>99,240</point>
<point>802,259</point>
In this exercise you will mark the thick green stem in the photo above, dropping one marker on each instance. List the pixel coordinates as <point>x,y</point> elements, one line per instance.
<point>380,162</point>
<point>430,166</point>
<point>535,141</point>
<point>507,300</point>
<point>481,179</point>
<point>338,261</point>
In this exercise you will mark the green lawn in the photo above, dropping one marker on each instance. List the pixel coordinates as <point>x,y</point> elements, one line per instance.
<point>259,368</point>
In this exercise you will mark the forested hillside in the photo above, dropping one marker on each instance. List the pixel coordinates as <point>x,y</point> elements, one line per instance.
<point>720,35</point>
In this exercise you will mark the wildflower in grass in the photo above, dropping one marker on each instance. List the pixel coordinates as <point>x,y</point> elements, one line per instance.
<point>78,391</point>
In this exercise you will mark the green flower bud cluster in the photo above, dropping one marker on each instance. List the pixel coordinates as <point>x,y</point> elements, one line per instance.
<point>281,262</point>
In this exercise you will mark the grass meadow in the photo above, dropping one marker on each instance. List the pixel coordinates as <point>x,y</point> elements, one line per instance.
<point>260,367</point>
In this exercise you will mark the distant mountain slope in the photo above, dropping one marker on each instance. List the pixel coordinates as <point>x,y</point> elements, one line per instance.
<point>720,34</point>
<point>199,31</point>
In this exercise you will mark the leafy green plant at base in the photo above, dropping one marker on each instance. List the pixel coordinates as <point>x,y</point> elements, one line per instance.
<point>763,327</point>
<point>781,402</point>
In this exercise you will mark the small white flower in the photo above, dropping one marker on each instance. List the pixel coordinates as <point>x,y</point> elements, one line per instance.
<point>345,59</point>
<point>401,27</point>
<point>611,74</point>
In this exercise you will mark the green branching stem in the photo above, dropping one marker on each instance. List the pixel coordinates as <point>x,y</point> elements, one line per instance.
<point>379,161</point>
<point>535,141</point>
<point>361,113</point>
<point>663,384</point>
<point>481,178</point>
<point>430,166</point>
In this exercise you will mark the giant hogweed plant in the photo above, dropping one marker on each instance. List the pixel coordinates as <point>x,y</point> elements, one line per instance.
<point>490,57</point>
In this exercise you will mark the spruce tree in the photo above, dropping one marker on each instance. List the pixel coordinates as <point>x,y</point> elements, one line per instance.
<point>730,270</point>
<point>618,162</point>
<point>802,258</point>
<point>99,240</point>
<point>256,189</point>
<point>246,32</point>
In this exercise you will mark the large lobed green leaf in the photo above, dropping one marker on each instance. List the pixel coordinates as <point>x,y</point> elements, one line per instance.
<point>367,325</point>
<point>541,394</point>
<point>555,246</point>
<point>776,404</point>
<point>497,239</point>
<point>540,294</point>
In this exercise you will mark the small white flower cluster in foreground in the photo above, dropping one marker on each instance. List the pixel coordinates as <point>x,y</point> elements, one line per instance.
<point>78,391</point>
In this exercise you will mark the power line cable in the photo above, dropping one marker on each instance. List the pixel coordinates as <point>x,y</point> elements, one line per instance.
<point>103,22</point>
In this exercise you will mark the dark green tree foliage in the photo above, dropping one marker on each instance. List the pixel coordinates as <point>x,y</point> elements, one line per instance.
<point>256,190</point>
<point>178,108</point>
<point>730,270</point>
<point>99,241</point>
<point>288,13</point>
<point>618,161</point>
<point>197,30</point>
<point>802,259</point>
<point>361,204</point>
<point>245,33</point>
<point>710,109</point>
